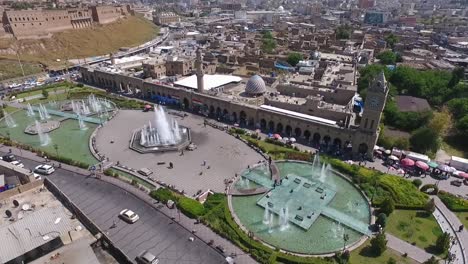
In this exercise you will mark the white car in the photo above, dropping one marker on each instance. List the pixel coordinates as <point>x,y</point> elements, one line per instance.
<point>17,163</point>
<point>44,169</point>
<point>129,216</point>
<point>147,258</point>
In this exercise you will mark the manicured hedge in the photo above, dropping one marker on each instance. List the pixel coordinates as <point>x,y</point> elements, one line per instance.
<point>163,195</point>
<point>190,207</point>
<point>453,202</point>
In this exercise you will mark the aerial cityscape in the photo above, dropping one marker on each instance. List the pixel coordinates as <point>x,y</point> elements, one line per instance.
<point>227,131</point>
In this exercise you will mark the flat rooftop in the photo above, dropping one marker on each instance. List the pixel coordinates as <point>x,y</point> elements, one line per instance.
<point>210,81</point>
<point>38,219</point>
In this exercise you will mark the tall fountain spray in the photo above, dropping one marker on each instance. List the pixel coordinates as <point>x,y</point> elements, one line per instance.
<point>270,223</point>
<point>95,103</point>
<point>323,173</point>
<point>284,216</point>
<point>43,137</point>
<point>43,112</point>
<point>81,123</point>
<point>164,131</point>
<point>10,122</point>
<point>266,216</point>
<point>30,110</point>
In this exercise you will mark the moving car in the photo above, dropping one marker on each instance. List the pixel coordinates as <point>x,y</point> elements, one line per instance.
<point>147,258</point>
<point>129,216</point>
<point>44,169</point>
<point>9,158</point>
<point>17,163</point>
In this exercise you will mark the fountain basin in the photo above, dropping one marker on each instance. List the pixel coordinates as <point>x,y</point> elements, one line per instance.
<point>301,221</point>
<point>45,127</point>
<point>135,142</point>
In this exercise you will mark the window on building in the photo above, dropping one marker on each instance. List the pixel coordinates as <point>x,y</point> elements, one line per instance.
<point>365,123</point>
<point>372,124</point>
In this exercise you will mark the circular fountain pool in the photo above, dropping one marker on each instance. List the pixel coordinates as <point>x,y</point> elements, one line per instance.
<point>309,212</point>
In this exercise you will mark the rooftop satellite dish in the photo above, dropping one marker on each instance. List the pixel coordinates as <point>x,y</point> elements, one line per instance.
<point>26,207</point>
<point>15,203</point>
<point>8,213</point>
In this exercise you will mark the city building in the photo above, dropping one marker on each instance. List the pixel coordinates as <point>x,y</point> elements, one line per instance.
<point>165,18</point>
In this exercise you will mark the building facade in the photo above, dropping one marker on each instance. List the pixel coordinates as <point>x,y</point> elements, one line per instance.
<point>39,23</point>
<point>359,139</point>
<point>165,18</point>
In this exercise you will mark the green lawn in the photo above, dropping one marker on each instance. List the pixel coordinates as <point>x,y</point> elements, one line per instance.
<point>35,92</point>
<point>363,255</point>
<point>463,216</point>
<point>10,109</point>
<point>58,97</point>
<point>415,227</point>
<point>131,177</point>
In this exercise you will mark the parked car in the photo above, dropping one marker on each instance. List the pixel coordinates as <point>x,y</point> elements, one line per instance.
<point>37,176</point>
<point>44,169</point>
<point>9,158</point>
<point>145,171</point>
<point>17,163</point>
<point>129,216</point>
<point>457,183</point>
<point>147,257</point>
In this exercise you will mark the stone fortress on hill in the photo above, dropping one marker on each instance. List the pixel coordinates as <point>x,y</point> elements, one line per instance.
<point>322,114</point>
<point>38,23</point>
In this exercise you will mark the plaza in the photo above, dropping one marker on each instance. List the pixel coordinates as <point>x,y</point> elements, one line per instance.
<point>223,154</point>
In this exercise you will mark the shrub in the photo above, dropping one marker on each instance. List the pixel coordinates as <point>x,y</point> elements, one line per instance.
<point>453,202</point>
<point>190,207</point>
<point>443,243</point>
<point>417,183</point>
<point>430,206</point>
<point>381,220</point>
<point>134,182</point>
<point>432,260</point>
<point>163,195</point>
<point>391,261</point>
<point>378,244</point>
<point>431,189</point>
<point>387,206</point>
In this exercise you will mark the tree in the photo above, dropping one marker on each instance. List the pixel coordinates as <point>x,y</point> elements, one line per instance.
<point>462,125</point>
<point>387,57</point>
<point>430,206</point>
<point>268,42</point>
<point>424,139</point>
<point>441,122</point>
<point>417,183</point>
<point>294,58</point>
<point>387,206</point>
<point>391,40</point>
<point>381,220</point>
<point>45,93</point>
<point>457,75</point>
<point>432,260</point>
<point>343,32</point>
<point>391,261</point>
<point>443,243</point>
<point>378,244</point>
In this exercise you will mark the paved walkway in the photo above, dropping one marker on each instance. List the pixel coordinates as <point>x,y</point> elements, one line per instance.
<point>403,247</point>
<point>450,223</point>
<point>202,232</point>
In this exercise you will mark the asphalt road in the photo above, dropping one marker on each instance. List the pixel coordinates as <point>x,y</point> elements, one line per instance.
<point>155,232</point>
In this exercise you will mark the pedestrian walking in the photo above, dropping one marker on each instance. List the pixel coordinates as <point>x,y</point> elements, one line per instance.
<point>460,228</point>
<point>204,163</point>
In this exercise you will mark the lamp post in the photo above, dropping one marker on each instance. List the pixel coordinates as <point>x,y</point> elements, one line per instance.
<point>345,239</point>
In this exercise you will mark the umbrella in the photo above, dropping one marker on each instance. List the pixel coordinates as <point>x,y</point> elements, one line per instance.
<point>388,152</point>
<point>292,139</point>
<point>286,139</point>
<point>148,106</point>
<point>277,136</point>
<point>407,162</point>
<point>445,168</point>
<point>433,164</point>
<point>422,165</point>
<point>376,147</point>
<point>349,162</point>
<point>236,125</point>
<point>393,157</point>
<point>463,175</point>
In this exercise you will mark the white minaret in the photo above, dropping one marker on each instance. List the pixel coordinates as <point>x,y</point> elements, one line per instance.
<point>199,66</point>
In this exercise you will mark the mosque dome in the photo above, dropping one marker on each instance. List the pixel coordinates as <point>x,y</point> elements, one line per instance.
<point>281,8</point>
<point>255,86</point>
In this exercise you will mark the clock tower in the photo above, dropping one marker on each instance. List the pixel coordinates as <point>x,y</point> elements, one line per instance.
<point>368,132</point>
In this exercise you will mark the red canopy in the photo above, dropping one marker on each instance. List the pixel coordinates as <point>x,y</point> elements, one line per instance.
<point>464,175</point>
<point>407,162</point>
<point>422,165</point>
<point>148,106</point>
<point>277,136</point>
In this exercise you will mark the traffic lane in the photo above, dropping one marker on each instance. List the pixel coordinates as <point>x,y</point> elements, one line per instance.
<point>102,202</point>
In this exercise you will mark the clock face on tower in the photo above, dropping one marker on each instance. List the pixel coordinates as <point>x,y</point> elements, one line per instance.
<point>374,102</point>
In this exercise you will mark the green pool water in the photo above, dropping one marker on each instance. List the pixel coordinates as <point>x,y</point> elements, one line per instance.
<point>71,141</point>
<point>324,235</point>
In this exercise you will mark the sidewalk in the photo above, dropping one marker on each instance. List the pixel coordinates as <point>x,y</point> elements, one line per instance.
<point>451,225</point>
<point>404,247</point>
<point>202,232</point>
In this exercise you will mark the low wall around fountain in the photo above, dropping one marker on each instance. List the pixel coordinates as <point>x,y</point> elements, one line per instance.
<point>46,127</point>
<point>134,144</point>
